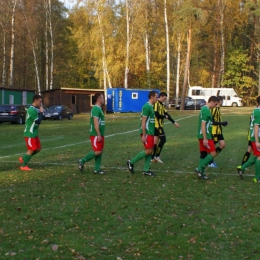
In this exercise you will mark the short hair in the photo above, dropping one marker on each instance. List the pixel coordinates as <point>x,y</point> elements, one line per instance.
<point>220,98</point>
<point>162,94</point>
<point>152,94</point>
<point>258,100</point>
<point>97,96</point>
<point>36,97</point>
<point>213,99</point>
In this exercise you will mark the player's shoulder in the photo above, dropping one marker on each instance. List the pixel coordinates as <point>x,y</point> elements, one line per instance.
<point>32,110</point>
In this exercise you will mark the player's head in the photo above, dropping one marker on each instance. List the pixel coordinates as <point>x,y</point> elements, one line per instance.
<point>162,97</point>
<point>99,99</point>
<point>220,100</point>
<point>37,101</point>
<point>212,102</point>
<point>258,100</point>
<point>152,97</point>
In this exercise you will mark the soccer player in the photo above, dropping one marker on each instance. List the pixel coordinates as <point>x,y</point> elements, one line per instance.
<point>147,135</point>
<point>254,138</point>
<point>206,144</point>
<point>33,120</point>
<point>159,135</point>
<point>97,132</point>
<point>217,129</point>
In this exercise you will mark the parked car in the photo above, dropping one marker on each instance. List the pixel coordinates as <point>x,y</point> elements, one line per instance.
<point>12,113</point>
<point>58,112</point>
<point>172,103</point>
<point>44,107</point>
<point>193,104</point>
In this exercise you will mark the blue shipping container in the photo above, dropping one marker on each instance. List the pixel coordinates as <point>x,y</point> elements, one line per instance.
<point>127,100</point>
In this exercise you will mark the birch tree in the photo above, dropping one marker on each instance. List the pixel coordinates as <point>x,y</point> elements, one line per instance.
<point>52,44</point>
<point>11,77</point>
<point>4,55</point>
<point>168,72</point>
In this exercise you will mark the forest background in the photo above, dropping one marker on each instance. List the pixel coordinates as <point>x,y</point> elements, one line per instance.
<point>164,44</point>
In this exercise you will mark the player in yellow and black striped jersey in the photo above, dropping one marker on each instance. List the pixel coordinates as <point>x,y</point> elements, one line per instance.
<point>217,133</point>
<point>159,135</point>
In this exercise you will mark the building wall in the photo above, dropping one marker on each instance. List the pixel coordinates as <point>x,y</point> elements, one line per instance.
<point>17,96</point>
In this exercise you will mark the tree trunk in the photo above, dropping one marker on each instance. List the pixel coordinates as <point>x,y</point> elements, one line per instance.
<point>147,59</point>
<point>11,79</point>
<point>222,35</point>
<point>167,50</point>
<point>52,45</point>
<point>4,58</point>
<point>34,56</point>
<point>178,69</point>
<point>127,43</point>
<point>46,46</point>
<point>187,67</point>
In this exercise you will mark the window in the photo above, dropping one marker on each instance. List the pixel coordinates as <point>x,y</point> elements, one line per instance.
<point>228,97</point>
<point>24,97</point>
<point>11,99</point>
<point>224,97</point>
<point>134,95</point>
<point>73,100</point>
<point>196,92</point>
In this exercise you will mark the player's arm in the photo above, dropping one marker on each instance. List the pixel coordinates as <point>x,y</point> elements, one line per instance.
<point>256,133</point>
<point>36,117</point>
<point>157,114</point>
<point>204,134</point>
<point>144,118</point>
<point>96,126</point>
<point>171,119</point>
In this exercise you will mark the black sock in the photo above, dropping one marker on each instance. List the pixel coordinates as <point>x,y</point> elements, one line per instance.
<point>218,150</point>
<point>154,151</point>
<point>246,157</point>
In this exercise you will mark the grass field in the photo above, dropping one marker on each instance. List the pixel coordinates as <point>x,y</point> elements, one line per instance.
<point>56,212</point>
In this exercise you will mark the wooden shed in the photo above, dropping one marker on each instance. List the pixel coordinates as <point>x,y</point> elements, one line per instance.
<point>78,99</point>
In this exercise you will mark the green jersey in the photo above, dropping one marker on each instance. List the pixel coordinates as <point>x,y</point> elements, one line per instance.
<point>96,112</point>
<point>148,112</point>
<point>31,127</point>
<point>205,116</point>
<point>255,120</point>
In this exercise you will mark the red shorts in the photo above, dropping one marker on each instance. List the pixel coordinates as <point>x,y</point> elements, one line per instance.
<point>210,148</point>
<point>256,151</point>
<point>33,143</point>
<point>149,142</point>
<point>97,146</point>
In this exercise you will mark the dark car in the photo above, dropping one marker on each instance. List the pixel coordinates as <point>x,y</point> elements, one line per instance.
<point>15,114</point>
<point>58,112</point>
<point>172,103</point>
<point>195,104</point>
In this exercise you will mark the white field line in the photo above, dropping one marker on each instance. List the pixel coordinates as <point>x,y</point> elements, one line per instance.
<point>137,170</point>
<point>107,136</point>
<point>42,141</point>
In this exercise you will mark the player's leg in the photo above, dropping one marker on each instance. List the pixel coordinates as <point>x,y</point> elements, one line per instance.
<point>162,141</point>
<point>98,157</point>
<point>31,145</point>
<point>156,140</point>
<point>248,153</point>
<point>148,150</point>
<point>91,154</point>
<point>257,169</point>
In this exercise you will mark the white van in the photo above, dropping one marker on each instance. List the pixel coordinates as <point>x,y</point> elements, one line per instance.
<point>230,97</point>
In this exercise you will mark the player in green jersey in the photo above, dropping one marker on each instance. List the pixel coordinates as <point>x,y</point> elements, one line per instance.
<point>254,133</point>
<point>97,133</point>
<point>147,121</point>
<point>207,146</point>
<point>33,120</point>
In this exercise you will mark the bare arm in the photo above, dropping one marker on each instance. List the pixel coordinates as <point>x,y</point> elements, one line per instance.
<point>144,128</point>
<point>96,126</point>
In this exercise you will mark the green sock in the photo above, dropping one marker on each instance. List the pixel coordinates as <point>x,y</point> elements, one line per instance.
<point>205,162</point>
<point>147,162</point>
<point>98,162</point>
<point>88,157</point>
<point>251,161</point>
<point>26,159</point>
<point>257,169</point>
<point>138,157</point>
<point>203,167</point>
